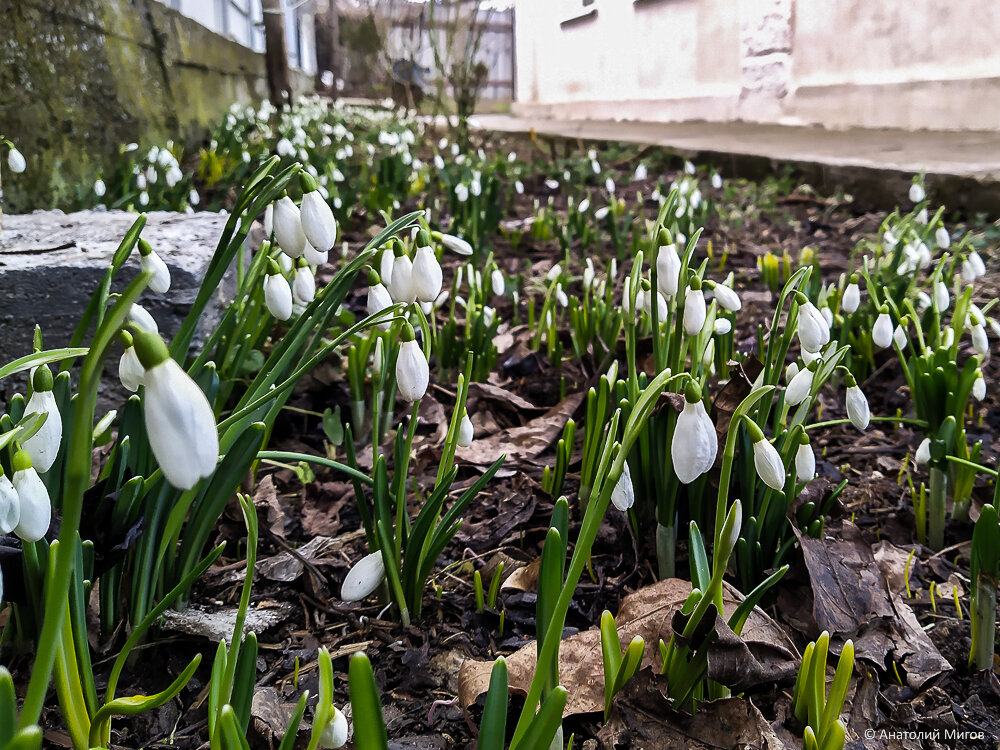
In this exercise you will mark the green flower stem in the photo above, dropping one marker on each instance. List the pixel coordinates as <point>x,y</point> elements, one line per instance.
<point>318,460</point>
<point>75,483</point>
<point>936,507</point>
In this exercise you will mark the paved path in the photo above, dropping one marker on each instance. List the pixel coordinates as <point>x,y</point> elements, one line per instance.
<point>963,168</point>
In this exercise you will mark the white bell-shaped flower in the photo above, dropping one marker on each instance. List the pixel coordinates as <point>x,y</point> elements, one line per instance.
<point>852,297</point>
<point>412,372</point>
<point>43,446</point>
<point>277,292</point>
<point>977,263</point>
<point>140,316</point>
<point>427,277</point>
<point>378,298</point>
<point>805,461</point>
<point>363,578</point>
<point>917,193</point>
<point>318,223</point>
<point>269,220</point>
<point>466,432</point>
<point>727,298</point>
<point>627,309</point>
<point>180,423</point>
<point>623,494</point>
<point>695,443</point>
<point>722,326</point>
<point>941,296</point>
<point>694,308</point>
<point>130,371</point>
<point>334,734</point>
<point>857,405</point>
<point>968,272</point>
<point>499,284</point>
<point>288,227</point>
<point>800,386</point>
<point>942,238</point>
<point>35,506</point>
<point>668,269</point>
<point>304,286</point>
<point>923,454</point>
<point>766,459</point>
<point>554,272</point>
<point>561,296</point>
<point>401,283</point>
<point>980,341</point>
<point>813,331</point>
<point>882,330</point>
<point>456,244</point>
<point>979,386</point>
<point>899,336</point>
<point>10,505</point>
<point>15,160</point>
<point>150,262</point>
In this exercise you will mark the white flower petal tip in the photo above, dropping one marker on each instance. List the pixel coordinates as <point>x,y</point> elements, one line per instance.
<point>623,494</point>
<point>363,578</point>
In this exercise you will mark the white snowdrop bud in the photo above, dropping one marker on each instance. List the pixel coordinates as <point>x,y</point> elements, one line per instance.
<point>141,317</point>
<point>641,173</point>
<point>334,734</point>
<point>100,188</point>
<point>941,296</point>
<point>917,193</point>
<point>130,370</point>
<point>456,244</point>
<point>722,326</point>
<point>922,216</point>
<point>277,293</point>
<point>150,262</point>
<point>766,459</point>
<point>498,283</point>
<point>426,276</point>
<point>694,309</point>
<point>412,372</point>
<point>813,331</point>
<point>980,342</point>
<point>16,161</point>
<point>304,285</point>
<point>791,371</point>
<point>923,301</point>
<point>882,330</point>
<point>584,206</point>
<point>852,297</point>
<point>857,405</point>
<point>899,337</point>
<point>799,387</point>
<point>401,283</point>
<point>726,297</point>
<point>805,461</point>
<point>35,507</point>
<point>43,446</point>
<point>668,269</point>
<point>695,442</point>
<point>979,386</point>
<point>976,261</point>
<point>10,505</point>
<point>554,273</point>
<point>288,227</point>
<point>466,431</point>
<point>623,494</point>
<point>609,185</point>
<point>179,419</point>
<point>318,222</point>
<point>363,578</point>
<point>561,297</point>
<point>627,297</point>
<point>942,238</point>
<point>968,272</point>
<point>923,454</point>
<point>588,274</point>
<point>462,192</point>
<point>717,181</point>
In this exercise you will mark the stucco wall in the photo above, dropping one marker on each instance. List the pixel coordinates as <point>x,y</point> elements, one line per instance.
<point>80,78</point>
<point>839,63</point>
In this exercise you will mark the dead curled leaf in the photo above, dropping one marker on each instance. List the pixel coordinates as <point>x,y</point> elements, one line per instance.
<point>522,444</point>
<point>768,654</point>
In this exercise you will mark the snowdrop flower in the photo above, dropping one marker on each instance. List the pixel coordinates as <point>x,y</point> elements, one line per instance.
<point>554,272</point>
<point>805,461</point>
<point>426,276</point>
<point>100,188</point>
<point>130,371</point>
<point>979,386</point>
<point>143,198</point>
<point>641,173</point>
<point>689,167</point>
<point>174,175</point>
<point>465,431</point>
<point>942,238</point>
<point>917,192</point>
<point>882,330</point>
<point>766,459</point>
<point>968,272</point>
<point>179,420</point>
<point>899,335</point>
<point>857,405</point>
<point>140,181</point>
<point>627,297</point>
<point>476,187</point>
<point>980,342</point>
<point>722,326</point>
<point>791,371</point>
<point>412,372</point>
<point>695,199</point>
<point>43,446</point>
<point>498,283</point>
<point>588,274</point>
<point>976,261</point>
<point>489,315</point>
<point>922,216</point>
<point>138,315</point>
<point>277,292</point>
<point>378,298</point>
<point>150,262</point>
<point>851,300</point>
<point>401,282</point>
<point>609,185</point>
<point>363,578</point>
<point>15,160</point>
<point>694,308</point>
<point>334,734</point>
<point>316,217</point>
<point>601,213</point>
<point>456,244</point>
<point>717,181</point>
<point>941,296</point>
<point>800,386</point>
<point>813,331</point>
<point>584,206</point>
<point>889,239</point>
<point>33,499</point>
<point>923,454</point>
<point>462,192</point>
<point>623,495</point>
<point>10,505</point>
<point>695,443</point>
<point>668,269</point>
<point>304,285</point>
<point>726,297</point>
<point>288,228</point>
<point>285,148</point>
<point>438,162</point>
<point>519,187</point>
<point>314,257</point>
<point>923,301</point>
<point>561,297</point>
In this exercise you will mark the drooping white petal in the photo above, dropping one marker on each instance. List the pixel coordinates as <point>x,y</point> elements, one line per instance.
<point>318,223</point>
<point>668,269</point>
<point>857,408</point>
<point>466,432</point>
<point>768,464</point>
<point>160,282</point>
<point>426,276</point>
<point>43,446</point>
<point>412,372</point>
<point>722,326</point>
<point>805,463</point>
<point>899,337</point>
<point>979,387</point>
<point>141,317</point>
<point>16,161</point>
<point>941,296</point>
<point>814,333</point>
<point>36,508</point>
<point>456,244</point>
<point>304,286</point>
<point>694,311</point>
<point>923,454</point>
<point>180,425</point>
<point>727,298</point>
<point>278,296</point>
<point>799,387</point>
<point>288,228</point>
<point>882,331</point>
<point>363,578</point>
<point>980,341</point>
<point>917,193</point>
<point>498,283</point>
<point>695,443</point>
<point>10,506</point>
<point>400,286</point>
<point>852,298</point>
<point>313,256</point>
<point>942,238</point>
<point>378,300</point>
<point>334,734</point>
<point>130,370</point>
<point>623,494</point>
